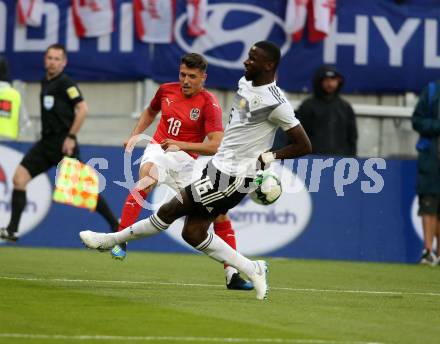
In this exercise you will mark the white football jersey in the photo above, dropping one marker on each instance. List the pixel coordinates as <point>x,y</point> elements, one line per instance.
<point>255,115</point>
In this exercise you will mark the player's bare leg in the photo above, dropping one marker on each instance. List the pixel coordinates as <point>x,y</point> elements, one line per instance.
<point>195,232</point>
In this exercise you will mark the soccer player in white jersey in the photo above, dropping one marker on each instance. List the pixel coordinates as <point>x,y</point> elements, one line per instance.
<point>258,109</point>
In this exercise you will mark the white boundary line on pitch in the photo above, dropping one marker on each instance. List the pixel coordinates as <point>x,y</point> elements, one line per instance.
<point>179,339</point>
<point>369,292</point>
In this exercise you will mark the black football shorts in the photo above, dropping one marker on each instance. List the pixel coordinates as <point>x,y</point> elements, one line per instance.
<point>216,192</point>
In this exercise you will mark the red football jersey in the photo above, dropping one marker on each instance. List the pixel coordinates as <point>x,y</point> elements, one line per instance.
<point>185,119</point>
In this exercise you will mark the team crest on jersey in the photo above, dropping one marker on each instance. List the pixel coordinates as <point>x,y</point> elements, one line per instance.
<point>194,114</point>
<point>256,101</point>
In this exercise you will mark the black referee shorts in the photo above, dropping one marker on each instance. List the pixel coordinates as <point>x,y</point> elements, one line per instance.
<point>44,154</point>
<point>216,192</point>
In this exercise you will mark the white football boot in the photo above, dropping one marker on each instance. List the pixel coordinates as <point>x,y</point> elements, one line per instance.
<point>98,241</point>
<point>259,279</point>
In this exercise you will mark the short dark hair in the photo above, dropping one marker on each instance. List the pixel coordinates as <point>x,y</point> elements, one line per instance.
<point>57,46</point>
<point>4,69</point>
<point>272,51</point>
<point>194,60</point>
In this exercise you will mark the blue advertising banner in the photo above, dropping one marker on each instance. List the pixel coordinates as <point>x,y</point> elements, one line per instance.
<point>352,209</point>
<point>379,45</point>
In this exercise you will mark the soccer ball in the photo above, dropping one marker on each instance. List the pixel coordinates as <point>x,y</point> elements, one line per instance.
<point>268,188</point>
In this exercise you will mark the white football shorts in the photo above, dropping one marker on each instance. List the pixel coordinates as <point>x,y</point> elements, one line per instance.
<point>175,169</point>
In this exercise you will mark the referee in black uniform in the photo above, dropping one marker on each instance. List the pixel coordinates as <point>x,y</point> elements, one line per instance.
<point>63,111</point>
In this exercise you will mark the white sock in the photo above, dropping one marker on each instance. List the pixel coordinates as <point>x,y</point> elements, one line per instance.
<point>141,229</point>
<point>220,251</point>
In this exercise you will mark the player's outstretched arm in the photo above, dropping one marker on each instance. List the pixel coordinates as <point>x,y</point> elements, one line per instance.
<point>300,144</point>
<point>146,118</point>
<point>208,147</point>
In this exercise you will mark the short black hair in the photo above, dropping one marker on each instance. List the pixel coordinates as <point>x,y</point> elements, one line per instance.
<point>4,69</point>
<point>272,51</point>
<point>194,60</point>
<point>57,46</point>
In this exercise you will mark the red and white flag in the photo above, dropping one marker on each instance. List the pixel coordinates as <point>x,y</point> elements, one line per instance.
<point>295,19</point>
<point>30,12</point>
<point>197,11</point>
<point>318,14</point>
<point>320,19</point>
<point>93,18</point>
<point>154,20</point>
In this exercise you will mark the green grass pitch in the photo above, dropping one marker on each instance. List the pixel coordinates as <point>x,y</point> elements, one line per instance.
<point>82,296</point>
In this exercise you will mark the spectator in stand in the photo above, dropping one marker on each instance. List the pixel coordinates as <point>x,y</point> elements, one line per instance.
<point>426,122</point>
<point>328,120</point>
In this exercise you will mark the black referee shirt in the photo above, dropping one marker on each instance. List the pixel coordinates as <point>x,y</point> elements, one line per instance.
<point>58,98</point>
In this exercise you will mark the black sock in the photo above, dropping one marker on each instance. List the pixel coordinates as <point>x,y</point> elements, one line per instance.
<point>18,203</point>
<point>103,209</point>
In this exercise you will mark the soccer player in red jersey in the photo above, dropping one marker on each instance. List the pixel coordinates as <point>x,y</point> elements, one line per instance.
<point>190,124</point>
